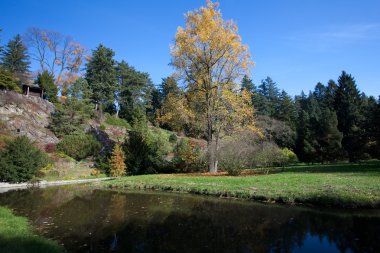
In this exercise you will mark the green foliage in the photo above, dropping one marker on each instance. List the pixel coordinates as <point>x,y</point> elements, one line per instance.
<point>276,131</point>
<point>101,77</point>
<point>268,155</point>
<point>46,81</point>
<point>73,115</point>
<point>79,146</point>
<point>290,156</point>
<point>246,83</point>
<point>266,98</point>
<point>8,81</point>
<point>15,58</point>
<point>146,149</point>
<point>135,91</point>
<point>348,109</point>
<point>168,86</point>
<point>188,156</point>
<point>115,121</point>
<point>173,138</point>
<point>20,160</point>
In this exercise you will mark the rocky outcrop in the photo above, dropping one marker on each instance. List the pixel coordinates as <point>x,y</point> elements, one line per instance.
<point>27,115</point>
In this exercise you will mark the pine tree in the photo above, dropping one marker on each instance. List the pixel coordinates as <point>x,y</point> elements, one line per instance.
<point>8,81</point>
<point>377,129</point>
<point>135,91</point>
<point>118,167</point>
<point>101,77</point>
<point>46,81</point>
<point>15,58</point>
<point>329,138</point>
<point>266,99</point>
<point>168,86</point>
<point>347,105</point>
<point>286,110</point>
<point>330,94</point>
<point>246,83</point>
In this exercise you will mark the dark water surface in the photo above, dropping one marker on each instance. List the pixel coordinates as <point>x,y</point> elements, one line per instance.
<point>88,220</point>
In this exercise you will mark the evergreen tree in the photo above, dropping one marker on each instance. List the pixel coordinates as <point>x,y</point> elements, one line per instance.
<point>329,138</point>
<point>320,94</point>
<point>246,83</point>
<point>15,58</point>
<point>101,77</point>
<point>72,116</point>
<point>20,160</point>
<point>286,110</point>
<point>135,91</point>
<point>330,94</point>
<point>8,81</point>
<point>347,105</point>
<point>155,104</point>
<point>377,129</point>
<point>266,99</point>
<point>370,125</point>
<point>169,86</point>
<point>46,81</point>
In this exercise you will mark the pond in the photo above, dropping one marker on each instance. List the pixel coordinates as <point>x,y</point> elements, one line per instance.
<point>90,220</point>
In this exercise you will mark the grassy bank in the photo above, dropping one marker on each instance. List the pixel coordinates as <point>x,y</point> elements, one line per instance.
<point>16,236</point>
<point>342,185</point>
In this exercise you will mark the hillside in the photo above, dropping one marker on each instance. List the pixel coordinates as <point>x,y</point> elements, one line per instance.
<point>26,115</point>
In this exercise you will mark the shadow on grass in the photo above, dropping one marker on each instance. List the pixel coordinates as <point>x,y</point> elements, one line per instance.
<point>28,245</point>
<point>370,167</point>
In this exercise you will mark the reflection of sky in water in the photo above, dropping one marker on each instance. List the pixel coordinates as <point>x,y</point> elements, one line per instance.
<point>84,219</point>
<point>317,244</point>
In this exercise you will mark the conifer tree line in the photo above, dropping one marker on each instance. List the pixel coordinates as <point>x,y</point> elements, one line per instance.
<point>333,122</point>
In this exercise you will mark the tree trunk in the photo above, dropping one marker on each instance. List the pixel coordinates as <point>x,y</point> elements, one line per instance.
<point>211,156</point>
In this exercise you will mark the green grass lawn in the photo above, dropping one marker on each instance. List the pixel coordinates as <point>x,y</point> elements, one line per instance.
<point>339,185</point>
<point>17,236</point>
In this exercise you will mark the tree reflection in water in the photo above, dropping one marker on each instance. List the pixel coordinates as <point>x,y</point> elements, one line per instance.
<point>88,220</point>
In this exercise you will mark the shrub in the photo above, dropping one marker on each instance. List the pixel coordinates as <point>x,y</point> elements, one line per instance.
<point>79,146</point>
<point>290,156</point>
<point>268,155</point>
<point>115,121</point>
<point>50,148</point>
<point>173,138</point>
<point>146,149</point>
<point>236,153</point>
<point>20,160</point>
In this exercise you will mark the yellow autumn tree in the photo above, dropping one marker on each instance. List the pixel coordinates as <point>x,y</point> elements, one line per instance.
<point>118,167</point>
<point>175,112</point>
<point>209,56</point>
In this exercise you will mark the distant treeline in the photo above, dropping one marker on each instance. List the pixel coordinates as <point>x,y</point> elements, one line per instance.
<point>334,122</point>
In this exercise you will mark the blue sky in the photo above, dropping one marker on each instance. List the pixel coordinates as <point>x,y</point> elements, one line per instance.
<point>296,42</point>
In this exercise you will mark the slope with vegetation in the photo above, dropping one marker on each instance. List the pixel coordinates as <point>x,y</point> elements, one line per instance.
<point>218,121</point>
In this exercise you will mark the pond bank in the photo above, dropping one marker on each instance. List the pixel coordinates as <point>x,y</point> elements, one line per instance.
<point>8,186</point>
<point>342,186</point>
<point>18,236</point>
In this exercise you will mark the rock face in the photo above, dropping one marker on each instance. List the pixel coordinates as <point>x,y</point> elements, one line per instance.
<point>26,115</point>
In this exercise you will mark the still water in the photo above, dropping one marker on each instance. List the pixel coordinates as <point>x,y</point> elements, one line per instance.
<point>88,220</point>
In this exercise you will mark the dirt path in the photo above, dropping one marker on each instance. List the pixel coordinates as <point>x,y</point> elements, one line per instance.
<point>4,187</point>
